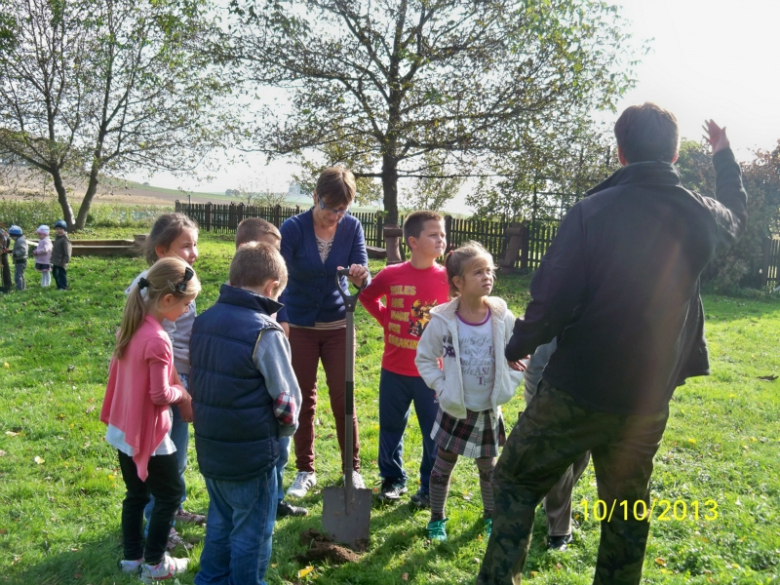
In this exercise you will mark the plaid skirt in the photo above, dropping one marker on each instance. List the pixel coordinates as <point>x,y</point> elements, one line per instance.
<point>479,435</point>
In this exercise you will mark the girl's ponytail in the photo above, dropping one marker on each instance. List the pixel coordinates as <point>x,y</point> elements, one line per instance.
<point>134,315</point>
<point>167,276</point>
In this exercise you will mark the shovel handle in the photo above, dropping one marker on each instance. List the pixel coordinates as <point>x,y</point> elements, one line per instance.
<point>350,301</point>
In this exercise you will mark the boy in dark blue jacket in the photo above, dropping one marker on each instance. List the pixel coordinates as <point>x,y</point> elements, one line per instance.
<point>244,398</point>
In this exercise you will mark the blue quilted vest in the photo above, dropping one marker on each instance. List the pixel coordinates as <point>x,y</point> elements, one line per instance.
<point>236,432</point>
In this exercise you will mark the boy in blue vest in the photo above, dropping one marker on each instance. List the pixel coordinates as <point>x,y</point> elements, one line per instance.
<point>244,398</point>
<point>256,229</point>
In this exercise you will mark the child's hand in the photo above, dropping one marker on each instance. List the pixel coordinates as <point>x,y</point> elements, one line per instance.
<point>716,136</point>
<point>519,365</point>
<point>185,407</point>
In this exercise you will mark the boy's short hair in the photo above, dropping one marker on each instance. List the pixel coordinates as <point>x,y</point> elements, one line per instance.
<point>415,222</point>
<point>255,263</point>
<point>252,229</point>
<point>647,133</point>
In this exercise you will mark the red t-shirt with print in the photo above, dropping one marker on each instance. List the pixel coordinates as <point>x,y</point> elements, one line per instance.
<point>410,294</point>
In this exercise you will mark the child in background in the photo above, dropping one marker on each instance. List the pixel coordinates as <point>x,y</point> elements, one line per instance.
<point>19,255</point>
<point>42,255</point>
<point>256,229</point>
<point>174,235</point>
<point>5,241</point>
<point>411,289</point>
<point>142,383</point>
<point>468,334</point>
<point>60,255</point>
<point>245,398</point>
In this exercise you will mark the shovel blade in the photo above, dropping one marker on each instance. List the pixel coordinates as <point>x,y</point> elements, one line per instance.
<point>346,521</point>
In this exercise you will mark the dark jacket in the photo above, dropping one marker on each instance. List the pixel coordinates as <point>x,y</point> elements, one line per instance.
<point>619,286</point>
<point>20,251</point>
<point>60,255</point>
<point>236,432</point>
<point>311,294</point>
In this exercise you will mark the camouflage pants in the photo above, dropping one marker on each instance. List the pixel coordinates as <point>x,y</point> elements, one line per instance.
<point>551,434</point>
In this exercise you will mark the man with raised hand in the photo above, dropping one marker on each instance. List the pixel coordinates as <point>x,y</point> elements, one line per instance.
<point>619,289</point>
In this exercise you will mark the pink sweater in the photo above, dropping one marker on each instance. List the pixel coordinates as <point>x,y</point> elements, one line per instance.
<point>140,388</point>
<point>43,252</point>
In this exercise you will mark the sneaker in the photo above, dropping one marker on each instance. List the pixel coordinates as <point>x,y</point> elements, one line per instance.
<point>131,567</point>
<point>304,481</point>
<point>559,543</point>
<point>488,527</point>
<point>421,499</point>
<point>167,568</point>
<point>391,491</point>
<point>175,539</point>
<point>283,509</point>
<point>186,517</point>
<point>436,530</point>
<point>357,480</point>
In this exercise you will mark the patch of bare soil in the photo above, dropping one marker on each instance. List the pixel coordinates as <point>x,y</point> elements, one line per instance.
<point>322,547</point>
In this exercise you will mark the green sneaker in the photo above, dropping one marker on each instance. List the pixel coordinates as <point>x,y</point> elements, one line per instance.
<point>488,527</point>
<point>436,530</point>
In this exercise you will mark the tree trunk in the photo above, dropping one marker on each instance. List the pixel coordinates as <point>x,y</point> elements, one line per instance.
<point>86,203</point>
<point>390,188</point>
<point>62,197</point>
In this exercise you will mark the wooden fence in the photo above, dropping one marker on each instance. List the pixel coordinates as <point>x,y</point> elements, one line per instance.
<point>224,218</point>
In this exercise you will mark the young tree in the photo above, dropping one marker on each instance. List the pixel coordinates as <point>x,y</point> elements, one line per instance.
<point>434,190</point>
<point>399,79</point>
<point>565,165</point>
<point>92,85</point>
<point>740,266</point>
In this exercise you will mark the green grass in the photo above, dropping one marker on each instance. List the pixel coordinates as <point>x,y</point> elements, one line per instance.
<point>29,214</point>
<point>59,513</point>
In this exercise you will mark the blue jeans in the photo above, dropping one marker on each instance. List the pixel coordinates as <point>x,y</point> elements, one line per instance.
<point>19,269</point>
<point>284,457</point>
<point>60,277</point>
<point>180,435</point>
<point>239,527</point>
<point>396,394</point>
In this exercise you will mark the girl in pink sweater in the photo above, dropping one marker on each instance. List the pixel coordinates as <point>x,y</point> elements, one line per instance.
<point>142,384</point>
<point>43,255</point>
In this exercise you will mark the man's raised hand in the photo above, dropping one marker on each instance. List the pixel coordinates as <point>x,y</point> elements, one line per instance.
<point>716,136</point>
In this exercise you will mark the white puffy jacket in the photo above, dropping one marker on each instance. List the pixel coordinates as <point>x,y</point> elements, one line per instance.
<point>440,340</point>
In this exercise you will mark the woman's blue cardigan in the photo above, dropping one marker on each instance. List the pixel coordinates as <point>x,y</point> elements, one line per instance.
<point>311,294</point>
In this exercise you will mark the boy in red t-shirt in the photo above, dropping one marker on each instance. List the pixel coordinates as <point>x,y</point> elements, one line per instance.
<point>411,289</point>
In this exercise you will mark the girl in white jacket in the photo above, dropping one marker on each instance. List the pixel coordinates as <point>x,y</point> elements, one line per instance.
<point>467,334</point>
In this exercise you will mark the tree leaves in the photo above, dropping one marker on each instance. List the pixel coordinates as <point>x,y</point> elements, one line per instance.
<point>412,78</point>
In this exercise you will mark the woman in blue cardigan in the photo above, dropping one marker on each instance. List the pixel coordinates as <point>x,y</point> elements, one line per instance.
<point>315,244</point>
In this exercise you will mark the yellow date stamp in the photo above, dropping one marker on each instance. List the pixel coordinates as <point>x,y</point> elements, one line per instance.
<point>661,510</point>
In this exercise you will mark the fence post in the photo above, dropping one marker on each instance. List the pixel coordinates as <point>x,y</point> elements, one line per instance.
<point>240,213</point>
<point>208,216</point>
<point>379,238</point>
<point>448,230</point>
<point>766,247</point>
<point>524,249</point>
<point>177,206</point>
<point>277,215</point>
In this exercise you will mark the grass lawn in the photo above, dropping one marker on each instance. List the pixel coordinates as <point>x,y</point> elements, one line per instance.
<point>61,491</point>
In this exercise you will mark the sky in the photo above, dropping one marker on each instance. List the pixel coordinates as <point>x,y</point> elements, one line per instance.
<point>708,59</point>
